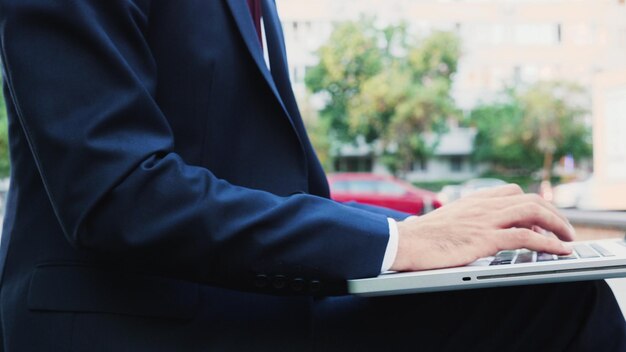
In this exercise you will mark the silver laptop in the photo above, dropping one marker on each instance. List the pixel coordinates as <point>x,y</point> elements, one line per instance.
<point>590,260</point>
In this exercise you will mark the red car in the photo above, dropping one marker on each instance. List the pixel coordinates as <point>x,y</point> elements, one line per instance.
<point>385,191</point>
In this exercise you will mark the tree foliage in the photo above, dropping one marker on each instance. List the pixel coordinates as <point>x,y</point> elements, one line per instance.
<point>349,59</point>
<point>533,127</point>
<point>317,130</point>
<point>387,86</point>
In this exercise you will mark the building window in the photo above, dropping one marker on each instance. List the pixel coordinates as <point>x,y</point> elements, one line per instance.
<point>354,164</point>
<point>456,164</point>
<point>421,164</point>
<point>535,34</point>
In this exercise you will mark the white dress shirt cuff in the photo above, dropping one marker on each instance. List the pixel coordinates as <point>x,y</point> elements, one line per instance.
<point>392,246</point>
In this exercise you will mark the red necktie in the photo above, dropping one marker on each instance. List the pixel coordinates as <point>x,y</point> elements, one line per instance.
<point>255,11</point>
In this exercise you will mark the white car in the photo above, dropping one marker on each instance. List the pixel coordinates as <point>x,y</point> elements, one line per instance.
<point>567,195</point>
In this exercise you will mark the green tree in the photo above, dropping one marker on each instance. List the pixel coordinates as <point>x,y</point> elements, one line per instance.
<point>350,57</point>
<point>394,86</point>
<point>317,130</point>
<point>532,128</point>
<point>554,114</point>
<point>498,140</point>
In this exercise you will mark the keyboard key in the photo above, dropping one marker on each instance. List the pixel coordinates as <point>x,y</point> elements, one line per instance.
<point>566,257</point>
<point>545,257</point>
<point>524,257</point>
<point>503,257</point>
<point>500,262</point>
<point>603,251</point>
<point>585,251</point>
<point>482,262</point>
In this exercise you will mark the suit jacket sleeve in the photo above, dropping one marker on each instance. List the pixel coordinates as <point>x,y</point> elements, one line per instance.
<point>82,80</point>
<point>394,214</point>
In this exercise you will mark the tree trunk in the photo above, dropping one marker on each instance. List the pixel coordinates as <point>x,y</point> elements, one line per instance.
<point>548,159</point>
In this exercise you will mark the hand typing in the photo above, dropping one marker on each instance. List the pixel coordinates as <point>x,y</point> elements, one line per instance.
<point>480,225</point>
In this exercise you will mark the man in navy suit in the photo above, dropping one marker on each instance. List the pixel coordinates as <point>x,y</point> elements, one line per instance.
<point>165,197</point>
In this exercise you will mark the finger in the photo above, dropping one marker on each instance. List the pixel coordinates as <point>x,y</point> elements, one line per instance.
<point>534,198</point>
<point>539,200</point>
<point>531,214</point>
<point>539,230</point>
<point>543,232</point>
<point>516,238</point>
<point>510,189</point>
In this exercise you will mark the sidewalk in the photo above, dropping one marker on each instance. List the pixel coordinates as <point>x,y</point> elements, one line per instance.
<point>603,219</point>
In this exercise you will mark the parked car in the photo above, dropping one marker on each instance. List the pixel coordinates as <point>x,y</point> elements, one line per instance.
<point>381,190</point>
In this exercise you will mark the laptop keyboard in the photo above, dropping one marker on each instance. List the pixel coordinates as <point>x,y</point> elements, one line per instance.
<point>591,250</point>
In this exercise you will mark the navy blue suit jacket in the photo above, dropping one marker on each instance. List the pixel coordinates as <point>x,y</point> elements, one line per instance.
<point>156,161</point>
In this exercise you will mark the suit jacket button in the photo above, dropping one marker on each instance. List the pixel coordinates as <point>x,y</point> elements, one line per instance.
<point>297,285</point>
<point>315,286</point>
<point>261,281</point>
<point>279,282</point>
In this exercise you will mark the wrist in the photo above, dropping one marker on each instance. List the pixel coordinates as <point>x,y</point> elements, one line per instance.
<point>398,263</point>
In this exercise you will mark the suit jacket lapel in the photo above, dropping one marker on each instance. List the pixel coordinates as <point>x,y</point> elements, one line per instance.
<point>242,17</point>
<point>278,58</point>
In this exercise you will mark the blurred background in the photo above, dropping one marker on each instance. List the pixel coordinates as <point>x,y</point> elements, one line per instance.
<point>412,104</point>
<point>452,96</point>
